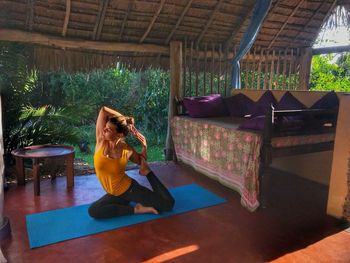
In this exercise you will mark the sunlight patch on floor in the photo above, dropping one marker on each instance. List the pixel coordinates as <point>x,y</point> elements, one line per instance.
<point>173,254</point>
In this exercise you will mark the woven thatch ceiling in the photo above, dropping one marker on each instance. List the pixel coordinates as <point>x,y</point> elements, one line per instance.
<point>293,23</point>
<point>105,29</point>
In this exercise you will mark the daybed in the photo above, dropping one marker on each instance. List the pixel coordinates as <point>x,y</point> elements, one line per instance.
<point>237,151</point>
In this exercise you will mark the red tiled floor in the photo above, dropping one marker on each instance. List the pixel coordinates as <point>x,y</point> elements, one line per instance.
<point>294,220</point>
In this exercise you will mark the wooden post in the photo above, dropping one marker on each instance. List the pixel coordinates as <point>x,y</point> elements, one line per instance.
<point>266,158</point>
<point>305,68</point>
<point>70,170</point>
<point>175,88</point>
<point>36,176</point>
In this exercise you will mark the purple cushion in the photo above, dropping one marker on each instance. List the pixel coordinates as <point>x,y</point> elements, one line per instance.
<point>261,105</point>
<point>205,106</point>
<point>328,101</point>
<point>254,123</point>
<point>238,105</point>
<point>289,102</point>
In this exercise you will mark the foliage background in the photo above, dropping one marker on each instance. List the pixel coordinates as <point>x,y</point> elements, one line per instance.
<point>58,107</point>
<point>331,72</point>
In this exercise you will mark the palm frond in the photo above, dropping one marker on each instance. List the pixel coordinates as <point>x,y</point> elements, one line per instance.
<point>339,17</point>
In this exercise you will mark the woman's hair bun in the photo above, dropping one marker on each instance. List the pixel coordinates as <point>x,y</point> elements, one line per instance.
<point>129,120</point>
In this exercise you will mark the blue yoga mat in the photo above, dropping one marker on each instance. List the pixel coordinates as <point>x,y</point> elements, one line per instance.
<point>62,224</point>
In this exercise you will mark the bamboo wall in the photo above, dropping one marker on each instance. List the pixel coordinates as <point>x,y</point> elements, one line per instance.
<point>208,70</point>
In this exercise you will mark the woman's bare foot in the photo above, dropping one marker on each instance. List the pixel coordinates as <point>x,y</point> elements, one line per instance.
<point>140,209</point>
<point>144,168</point>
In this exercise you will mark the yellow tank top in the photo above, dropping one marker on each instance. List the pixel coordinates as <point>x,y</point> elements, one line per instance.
<point>111,172</point>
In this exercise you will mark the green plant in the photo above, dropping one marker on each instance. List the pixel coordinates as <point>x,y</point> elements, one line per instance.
<point>43,125</point>
<point>23,123</point>
<point>152,108</point>
<point>328,74</point>
<point>17,82</point>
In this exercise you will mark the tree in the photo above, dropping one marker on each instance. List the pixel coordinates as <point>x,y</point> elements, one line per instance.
<point>329,75</point>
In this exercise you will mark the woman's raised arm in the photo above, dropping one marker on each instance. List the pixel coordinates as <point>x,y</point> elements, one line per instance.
<point>102,119</point>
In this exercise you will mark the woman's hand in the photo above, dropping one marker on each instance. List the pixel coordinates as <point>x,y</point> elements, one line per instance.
<point>138,135</point>
<point>140,138</point>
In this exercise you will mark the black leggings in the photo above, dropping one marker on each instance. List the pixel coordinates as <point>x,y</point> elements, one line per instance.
<point>112,206</point>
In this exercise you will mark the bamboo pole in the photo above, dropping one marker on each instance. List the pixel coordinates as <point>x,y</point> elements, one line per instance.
<point>197,66</point>
<point>219,77</point>
<point>253,72</point>
<point>212,68</point>
<point>290,71</point>
<point>272,70</point>
<point>284,70</point>
<point>278,68</point>
<point>266,70</point>
<point>190,69</point>
<point>175,88</point>
<point>296,69</point>
<point>259,69</point>
<point>226,69</point>
<point>184,69</point>
<point>247,71</point>
<point>205,70</point>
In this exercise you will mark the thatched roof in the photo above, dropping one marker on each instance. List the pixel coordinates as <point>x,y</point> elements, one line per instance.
<point>290,23</point>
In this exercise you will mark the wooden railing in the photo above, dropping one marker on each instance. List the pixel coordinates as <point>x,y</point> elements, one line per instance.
<point>208,69</point>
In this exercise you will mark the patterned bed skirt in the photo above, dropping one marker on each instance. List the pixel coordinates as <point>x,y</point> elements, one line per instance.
<point>225,154</point>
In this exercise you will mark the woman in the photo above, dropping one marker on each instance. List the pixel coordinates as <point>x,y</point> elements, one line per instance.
<point>110,159</point>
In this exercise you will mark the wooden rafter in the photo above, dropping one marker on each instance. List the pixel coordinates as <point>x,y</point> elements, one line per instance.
<point>66,18</point>
<point>66,43</point>
<point>125,19</point>
<point>234,32</point>
<point>210,20</point>
<point>100,19</point>
<point>30,15</point>
<point>178,21</point>
<point>285,23</point>
<point>152,21</point>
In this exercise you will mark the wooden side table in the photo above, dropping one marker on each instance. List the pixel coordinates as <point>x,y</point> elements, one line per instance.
<point>36,152</point>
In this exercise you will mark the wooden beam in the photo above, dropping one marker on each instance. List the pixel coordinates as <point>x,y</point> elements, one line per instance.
<point>153,20</point>
<point>60,42</point>
<point>100,19</point>
<point>179,21</point>
<point>285,23</point>
<point>217,7</point>
<point>125,19</point>
<point>175,92</point>
<point>327,50</point>
<point>66,18</point>
<point>305,68</point>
